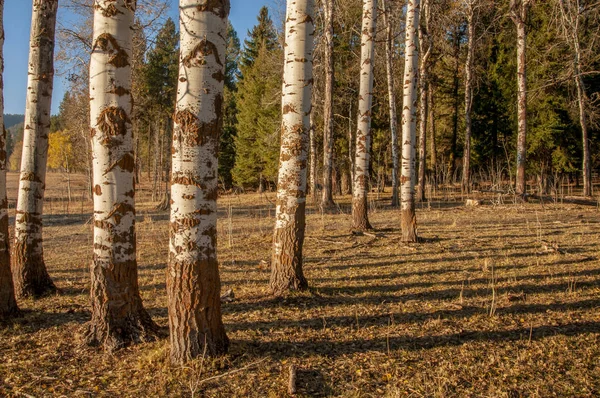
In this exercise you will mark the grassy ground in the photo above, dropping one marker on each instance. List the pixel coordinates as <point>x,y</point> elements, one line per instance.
<point>500,300</point>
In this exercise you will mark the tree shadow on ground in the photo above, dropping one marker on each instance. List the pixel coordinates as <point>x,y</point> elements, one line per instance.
<point>393,293</point>
<point>383,320</point>
<point>281,350</point>
<point>32,321</point>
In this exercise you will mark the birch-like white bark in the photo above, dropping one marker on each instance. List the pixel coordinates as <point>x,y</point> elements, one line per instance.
<point>360,219</point>
<point>327,197</point>
<point>313,161</point>
<point>389,67</point>
<point>426,46</point>
<point>519,10</point>
<point>30,275</point>
<point>409,123</point>
<point>466,177</point>
<point>118,317</point>
<point>8,304</point>
<point>193,282</point>
<point>290,223</point>
<point>570,13</point>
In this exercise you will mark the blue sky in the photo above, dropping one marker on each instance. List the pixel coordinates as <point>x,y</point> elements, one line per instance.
<point>17,21</point>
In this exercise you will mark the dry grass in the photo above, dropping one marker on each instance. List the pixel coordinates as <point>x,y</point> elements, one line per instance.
<point>498,301</point>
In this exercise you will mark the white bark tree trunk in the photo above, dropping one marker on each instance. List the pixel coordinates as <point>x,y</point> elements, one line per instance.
<point>29,271</point>
<point>360,219</point>
<point>288,239</point>
<point>409,123</point>
<point>466,177</point>
<point>570,13</point>
<point>193,282</point>
<point>118,316</point>
<point>519,9</point>
<point>389,66</point>
<point>313,161</point>
<point>433,148</point>
<point>426,46</point>
<point>327,198</point>
<point>8,304</point>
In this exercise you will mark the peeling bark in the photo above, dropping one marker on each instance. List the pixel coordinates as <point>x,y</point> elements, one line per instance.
<point>409,124</point>
<point>8,303</point>
<point>118,316</point>
<point>360,218</point>
<point>193,282</point>
<point>29,270</point>
<point>327,198</point>
<point>288,237</point>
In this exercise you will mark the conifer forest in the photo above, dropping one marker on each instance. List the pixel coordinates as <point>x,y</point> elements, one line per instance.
<point>352,198</point>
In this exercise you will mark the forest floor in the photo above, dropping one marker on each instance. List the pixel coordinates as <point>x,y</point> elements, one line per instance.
<point>500,300</point>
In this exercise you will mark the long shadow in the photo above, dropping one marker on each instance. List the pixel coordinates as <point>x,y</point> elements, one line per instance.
<point>417,259</point>
<point>378,294</point>
<point>395,275</point>
<point>335,348</point>
<point>31,321</point>
<point>408,317</point>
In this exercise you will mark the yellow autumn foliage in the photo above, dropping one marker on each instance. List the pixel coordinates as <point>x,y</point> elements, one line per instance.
<point>60,151</point>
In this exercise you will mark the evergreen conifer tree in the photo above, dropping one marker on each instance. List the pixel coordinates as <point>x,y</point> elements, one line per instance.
<point>259,101</point>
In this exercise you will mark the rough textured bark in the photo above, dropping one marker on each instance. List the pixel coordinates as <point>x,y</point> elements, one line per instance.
<point>409,124</point>
<point>29,271</point>
<point>193,282</point>
<point>466,177</point>
<point>570,13</point>
<point>327,198</point>
<point>519,9</point>
<point>313,161</point>
<point>425,44</point>
<point>8,303</point>
<point>433,147</point>
<point>389,61</point>
<point>351,150</point>
<point>457,37</point>
<point>288,237</point>
<point>360,219</point>
<point>118,316</point>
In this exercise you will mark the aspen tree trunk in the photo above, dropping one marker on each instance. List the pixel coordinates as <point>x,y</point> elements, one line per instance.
<point>288,237</point>
<point>351,150</point>
<point>519,10</point>
<point>581,96</point>
<point>456,102</point>
<point>423,103</point>
<point>118,316</point>
<point>389,61</point>
<point>327,198</point>
<point>426,47</point>
<point>193,282</point>
<point>155,188</point>
<point>466,177</point>
<point>360,219</point>
<point>29,270</point>
<point>313,161</point>
<point>570,16</point>
<point>409,124</point>
<point>433,149</point>
<point>8,304</point>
